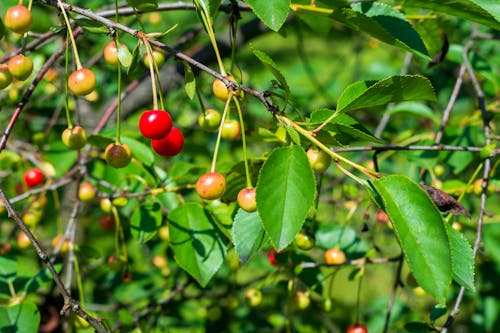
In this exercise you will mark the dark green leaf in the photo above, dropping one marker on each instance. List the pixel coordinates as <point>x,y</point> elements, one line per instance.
<point>145,221</point>
<point>189,81</point>
<point>416,327</point>
<point>273,68</point>
<point>462,258</point>
<point>272,13</point>
<point>2,29</point>
<point>8,269</point>
<point>135,58</point>
<point>491,236</point>
<point>437,312</point>
<point>248,235</point>
<point>222,215</point>
<point>421,232</point>
<point>92,26</point>
<point>285,193</point>
<point>331,235</point>
<point>41,278</point>
<point>143,5</point>
<point>486,12</point>
<point>198,245</point>
<point>99,141</point>
<point>23,317</point>
<point>396,88</point>
<point>384,23</point>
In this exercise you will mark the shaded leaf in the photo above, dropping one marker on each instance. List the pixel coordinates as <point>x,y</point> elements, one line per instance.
<point>41,278</point>
<point>462,258</point>
<point>92,26</point>
<point>189,80</point>
<point>272,13</point>
<point>396,88</point>
<point>445,202</point>
<point>23,317</point>
<point>140,151</point>
<point>346,238</point>
<point>273,68</point>
<point>421,232</point>
<point>8,269</point>
<point>197,243</point>
<point>437,312</point>
<point>248,235</point>
<point>145,221</point>
<point>144,5</point>
<point>285,193</point>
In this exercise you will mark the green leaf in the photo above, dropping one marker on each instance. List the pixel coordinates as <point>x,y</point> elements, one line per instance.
<point>421,232</point>
<point>418,327</point>
<point>44,276</point>
<point>140,151</point>
<point>273,68</point>
<point>486,12</point>
<point>135,58</point>
<point>396,88</point>
<point>145,221</point>
<point>222,215</point>
<point>413,108</point>
<point>189,80</point>
<point>248,235</point>
<point>198,246</point>
<point>99,141</point>
<point>92,26</point>
<point>143,5</point>
<point>285,193</point>
<point>346,238</point>
<point>462,258</point>
<point>272,13</point>
<point>491,235</point>
<point>23,317</point>
<point>124,55</point>
<point>2,29</point>
<point>8,269</point>
<point>437,312</point>
<point>384,23</point>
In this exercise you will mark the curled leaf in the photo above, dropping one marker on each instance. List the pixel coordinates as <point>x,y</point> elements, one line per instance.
<point>445,202</point>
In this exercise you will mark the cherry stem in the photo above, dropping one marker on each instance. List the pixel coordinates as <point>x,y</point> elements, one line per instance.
<point>72,38</point>
<point>219,134</point>
<point>244,142</point>
<point>149,54</point>
<point>119,88</point>
<point>66,88</point>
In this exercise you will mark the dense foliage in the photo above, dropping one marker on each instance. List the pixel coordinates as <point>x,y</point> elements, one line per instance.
<point>249,166</point>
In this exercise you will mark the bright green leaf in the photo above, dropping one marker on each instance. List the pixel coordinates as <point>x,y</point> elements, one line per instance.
<point>462,258</point>
<point>272,13</point>
<point>44,276</point>
<point>145,221</point>
<point>8,269</point>
<point>285,193</point>
<point>222,215</point>
<point>273,68</point>
<point>384,23</point>
<point>421,232</point>
<point>189,80</point>
<point>396,88</point>
<point>346,238</point>
<point>248,235</point>
<point>23,317</point>
<point>92,26</point>
<point>486,12</point>
<point>413,108</point>
<point>198,245</point>
<point>124,55</point>
<point>140,151</point>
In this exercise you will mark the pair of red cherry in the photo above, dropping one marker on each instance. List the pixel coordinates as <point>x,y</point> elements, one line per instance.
<point>156,125</point>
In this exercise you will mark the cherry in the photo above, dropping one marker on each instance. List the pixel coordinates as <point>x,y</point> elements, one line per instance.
<point>318,159</point>
<point>111,53</point>
<point>106,222</point>
<point>220,90</point>
<point>304,241</point>
<point>18,19</point>
<point>33,177</point>
<point>231,130</point>
<point>116,263</point>
<point>56,242</point>
<point>20,67</point>
<point>357,328</point>
<point>155,124</point>
<point>23,241</point>
<point>74,137</point>
<point>246,199</point>
<point>334,256</point>
<point>158,58</point>
<point>118,155</point>
<point>170,145</point>
<point>301,300</point>
<point>211,186</point>
<point>86,192</point>
<point>271,257</point>
<point>5,76</point>
<point>82,82</point>
<point>106,205</point>
<point>253,297</point>
<point>209,120</point>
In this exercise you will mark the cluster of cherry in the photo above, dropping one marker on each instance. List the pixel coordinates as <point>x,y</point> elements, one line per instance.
<point>156,125</point>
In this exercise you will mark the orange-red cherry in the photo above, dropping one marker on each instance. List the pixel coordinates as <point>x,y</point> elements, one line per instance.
<point>211,186</point>
<point>82,82</point>
<point>18,19</point>
<point>20,67</point>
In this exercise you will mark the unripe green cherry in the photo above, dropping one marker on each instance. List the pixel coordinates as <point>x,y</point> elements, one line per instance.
<point>74,137</point>
<point>158,58</point>
<point>20,67</point>
<point>318,159</point>
<point>301,300</point>
<point>5,76</point>
<point>253,297</point>
<point>118,155</point>
<point>210,120</point>
<point>304,241</point>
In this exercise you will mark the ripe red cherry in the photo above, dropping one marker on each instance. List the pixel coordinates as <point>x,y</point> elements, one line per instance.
<point>357,328</point>
<point>82,82</point>
<point>155,124</point>
<point>5,76</point>
<point>271,257</point>
<point>20,67</point>
<point>170,145</point>
<point>18,19</point>
<point>211,186</point>
<point>246,199</point>
<point>33,177</point>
